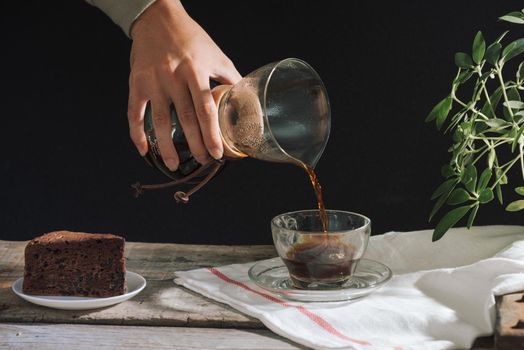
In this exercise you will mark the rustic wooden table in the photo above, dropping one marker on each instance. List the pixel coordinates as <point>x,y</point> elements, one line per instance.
<point>163,315</point>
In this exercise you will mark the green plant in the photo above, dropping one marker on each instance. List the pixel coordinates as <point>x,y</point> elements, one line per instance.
<point>487,128</point>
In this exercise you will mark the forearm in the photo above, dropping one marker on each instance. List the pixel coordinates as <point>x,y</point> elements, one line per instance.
<point>122,12</point>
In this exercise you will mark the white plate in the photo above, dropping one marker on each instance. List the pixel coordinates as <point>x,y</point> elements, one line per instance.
<point>135,284</point>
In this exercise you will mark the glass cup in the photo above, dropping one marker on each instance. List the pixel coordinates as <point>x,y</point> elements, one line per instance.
<point>315,259</point>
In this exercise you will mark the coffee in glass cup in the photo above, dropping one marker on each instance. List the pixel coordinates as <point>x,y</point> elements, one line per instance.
<point>317,259</point>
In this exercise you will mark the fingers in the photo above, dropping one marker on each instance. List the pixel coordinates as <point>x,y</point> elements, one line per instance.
<point>206,113</point>
<point>185,111</point>
<point>162,124</point>
<point>227,73</point>
<point>135,114</point>
<point>190,92</point>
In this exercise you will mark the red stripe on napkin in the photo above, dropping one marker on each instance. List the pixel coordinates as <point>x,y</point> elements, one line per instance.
<point>311,315</point>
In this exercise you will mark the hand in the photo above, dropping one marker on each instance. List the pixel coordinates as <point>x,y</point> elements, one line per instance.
<point>172,60</point>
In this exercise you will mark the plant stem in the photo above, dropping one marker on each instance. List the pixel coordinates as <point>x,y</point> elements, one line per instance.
<point>492,138</point>
<point>454,122</point>
<point>503,88</point>
<point>488,100</point>
<point>469,107</point>
<point>486,149</point>
<point>476,150</point>
<point>480,155</point>
<point>521,162</point>
<point>508,166</point>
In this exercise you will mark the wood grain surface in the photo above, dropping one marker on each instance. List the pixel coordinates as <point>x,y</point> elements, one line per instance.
<point>194,322</point>
<point>80,337</point>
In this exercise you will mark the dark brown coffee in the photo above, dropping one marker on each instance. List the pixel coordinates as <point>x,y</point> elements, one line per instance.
<point>322,258</point>
<point>320,198</point>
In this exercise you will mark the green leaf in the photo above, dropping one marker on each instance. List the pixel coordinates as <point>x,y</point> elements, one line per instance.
<point>445,187</point>
<point>466,127</point>
<point>491,158</point>
<point>440,202</point>
<point>513,49</point>
<point>514,104</point>
<point>472,215</point>
<point>443,107</point>
<point>463,60</point>
<point>518,116</point>
<point>447,171</point>
<point>498,190</point>
<point>519,14</point>
<point>496,123</point>
<point>520,71</point>
<point>479,48</point>
<point>516,139</point>
<point>495,99</point>
<point>458,135</point>
<point>520,190</point>
<point>513,95</point>
<point>493,53</point>
<point>443,112</point>
<point>486,195</point>
<point>448,221</point>
<point>515,206</point>
<point>469,178</point>
<point>458,196</point>
<point>480,127</point>
<point>513,17</point>
<point>499,175</point>
<point>484,179</point>
<point>463,77</point>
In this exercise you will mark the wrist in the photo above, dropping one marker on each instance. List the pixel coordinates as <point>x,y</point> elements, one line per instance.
<point>172,10</point>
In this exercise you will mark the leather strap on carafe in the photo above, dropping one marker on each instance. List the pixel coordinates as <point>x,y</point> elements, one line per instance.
<point>212,167</point>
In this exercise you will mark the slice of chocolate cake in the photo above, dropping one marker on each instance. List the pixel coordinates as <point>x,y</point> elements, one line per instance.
<point>76,264</point>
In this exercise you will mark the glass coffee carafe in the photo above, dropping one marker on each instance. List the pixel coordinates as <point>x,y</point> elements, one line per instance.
<point>278,113</point>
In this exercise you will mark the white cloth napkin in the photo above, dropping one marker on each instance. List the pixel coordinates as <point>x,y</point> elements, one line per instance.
<point>441,295</point>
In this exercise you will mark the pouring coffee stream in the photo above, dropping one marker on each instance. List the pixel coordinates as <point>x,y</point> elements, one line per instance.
<point>320,197</point>
<point>278,113</point>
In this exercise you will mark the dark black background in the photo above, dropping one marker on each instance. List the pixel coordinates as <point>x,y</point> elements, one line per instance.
<point>68,162</point>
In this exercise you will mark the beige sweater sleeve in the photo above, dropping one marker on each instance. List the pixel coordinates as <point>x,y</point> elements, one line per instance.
<point>122,12</point>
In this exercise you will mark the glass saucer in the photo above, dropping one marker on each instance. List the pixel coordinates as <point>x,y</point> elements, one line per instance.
<point>272,275</point>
